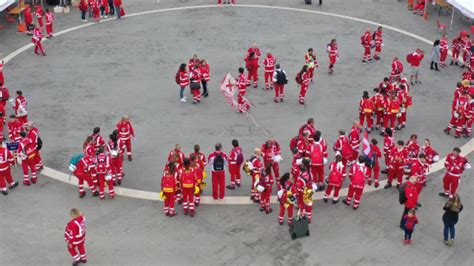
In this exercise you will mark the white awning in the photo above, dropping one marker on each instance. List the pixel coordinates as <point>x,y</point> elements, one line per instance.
<point>466,7</point>
<point>6,3</point>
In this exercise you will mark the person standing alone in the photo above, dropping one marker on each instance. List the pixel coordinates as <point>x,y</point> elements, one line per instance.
<point>452,208</point>
<point>75,235</point>
<point>217,161</point>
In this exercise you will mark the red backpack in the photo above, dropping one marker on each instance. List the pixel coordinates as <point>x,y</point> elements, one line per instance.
<point>177,78</point>
<point>298,78</point>
<point>294,142</point>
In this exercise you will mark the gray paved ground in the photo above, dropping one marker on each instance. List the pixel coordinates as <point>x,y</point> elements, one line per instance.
<point>94,75</point>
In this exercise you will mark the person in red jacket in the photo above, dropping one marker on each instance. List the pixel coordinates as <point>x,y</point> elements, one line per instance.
<point>411,196</point>
<point>97,140</point>
<point>218,161</point>
<point>49,17</point>
<point>388,145</point>
<point>357,175</point>
<point>354,140</point>
<point>254,165</point>
<point>115,149</point>
<point>343,147</point>
<point>455,165</point>
<point>39,13</point>
<point>126,133</point>
<point>169,180</point>
<point>272,155</point>
<point>375,155</point>
<point>409,222</point>
<point>236,158</point>
<point>103,171</point>
<point>286,197</point>
<point>269,63</point>
<point>195,78</point>
<point>305,189</point>
<point>397,69</point>
<point>455,50</point>
<point>413,146</point>
<point>309,126</point>
<point>318,153</point>
<point>28,19</point>
<point>264,182</point>
<point>6,161</point>
<point>304,77</point>
<point>251,63</point>
<point>241,84</point>
<point>182,79</point>
<point>333,54</point>
<point>206,77</point>
<point>311,63</point>
<point>443,50</point>
<point>419,7</point>
<point>83,7</point>
<point>392,112</point>
<point>36,40</point>
<point>2,78</point>
<point>21,107</point>
<point>432,156</point>
<point>336,169</point>
<point>397,158</point>
<point>188,185</point>
<point>366,41</point>
<point>405,101</point>
<point>26,153</point>
<point>232,2</point>
<point>75,235</point>
<point>84,170</point>
<point>379,102</point>
<point>414,59</point>
<point>419,168</point>
<point>378,40</point>
<point>366,108</point>
<point>198,165</point>
<point>15,126</point>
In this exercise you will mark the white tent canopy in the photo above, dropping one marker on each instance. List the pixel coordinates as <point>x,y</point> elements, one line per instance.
<point>466,7</point>
<point>6,3</point>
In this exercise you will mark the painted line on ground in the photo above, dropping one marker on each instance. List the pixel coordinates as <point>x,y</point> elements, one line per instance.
<point>235,200</point>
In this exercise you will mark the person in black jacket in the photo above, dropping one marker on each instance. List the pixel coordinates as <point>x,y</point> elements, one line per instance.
<point>452,208</point>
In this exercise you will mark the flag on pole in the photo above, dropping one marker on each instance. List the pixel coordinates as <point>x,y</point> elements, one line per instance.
<point>366,144</point>
<point>229,91</point>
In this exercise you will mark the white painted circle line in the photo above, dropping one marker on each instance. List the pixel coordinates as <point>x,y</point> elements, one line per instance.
<point>236,200</point>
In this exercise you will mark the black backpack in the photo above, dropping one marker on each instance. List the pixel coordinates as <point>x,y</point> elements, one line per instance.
<point>281,77</point>
<point>402,197</point>
<point>40,144</point>
<point>218,163</point>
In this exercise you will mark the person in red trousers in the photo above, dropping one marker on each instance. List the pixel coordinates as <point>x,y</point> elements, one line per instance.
<point>443,50</point>
<point>84,170</point>
<point>198,165</point>
<point>366,108</point>
<point>378,40</point>
<point>272,155</point>
<point>168,188</point>
<point>103,171</point>
<point>411,196</point>
<point>333,54</point>
<point>336,169</point>
<point>75,235</point>
<point>269,64</point>
<point>188,186</point>
<point>374,168</point>
<point>242,87</point>
<point>251,63</point>
<point>265,180</point>
<point>318,153</point>
<point>115,148</point>
<point>397,159</point>
<point>279,80</point>
<point>236,158</point>
<point>6,161</point>
<point>455,165</point>
<point>286,197</point>
<point>49,17</point>
<point>357,175</point>
<point>311,63</point>
<point>366,41</point>
<point>303,79</point>
<point>218,161</point>
<point>26,153</point>
<point>39,13</point>
<point>36,40</point>
<point>126,134</point>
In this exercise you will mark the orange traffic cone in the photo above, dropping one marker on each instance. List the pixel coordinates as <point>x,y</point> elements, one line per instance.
<point>21,27</point>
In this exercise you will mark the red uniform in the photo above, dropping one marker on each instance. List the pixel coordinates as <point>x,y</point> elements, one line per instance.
<point>333,54</point>
<point>304,183</point>
<point>33,135</point>
<point>378,43</point>
<point>318,152</point>
<point>366,108</point>
<point>2,78</point>
<point>413,148</point>
<point>455,166</point>
<point>388,145</point>
<point>255,167</point>
<point>376,154</point>
<point>418,169</point>
<point>252,67</point>
<point>168,187</point>
<point>455,49</point>
<point>21,109</point>
<point>466,50</point>
<point>343,147</point>
<point>357,175</point>
<point>6,161</point>
<point>183,79</point>
<point>431,155</point>
<point>116,151</point>
<point>256,51</point>
<point>460,115</point>
<point>366,41</point>
<point>15,126</point>
<point>177,156</point>
<point>285,195</point>
<point>95,5</point>
<point>415,59</point>
<point>235,162</point>
<point>75,235</point>
<point>312,63</point>
<point>305,79</point>
<point>420,7</point>
<point>242,87</point>
<point>336,171</point>
<point>126,133</point>
<point>266,180</point>
<point>217,161</point>
<point>307,127</point>
<point>49,23</point>
<point>354,140</point>
<point>379,103</point>
<point>103,171</point>
<point>405,101</point>
<point>269,63</point>
<point>195,78</point>
<point>411,195</point>
<point>85,171</point>
<point>397,160</point>
<point>97,141</point>
<point>270,153</point>
<point>27,153</point>
<point>392,110</point>
<point>443,50</point>
<point>28,17</point>
<point>36,40</point>
<point>188,185</point>
<point>39,15</point>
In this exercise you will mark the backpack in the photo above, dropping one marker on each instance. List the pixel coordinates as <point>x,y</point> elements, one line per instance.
<point>177,78</point>
<point>218,163</point>
<point>281,77</point>
<point>294,142</point>
<point>74,161</point>
<point>409,57</point>
<point>40,144</point>
<point>298,78</point>
<point>402,198</point>
<point>240,158</point>
<point>370,160</point>
<point>362,39</point>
